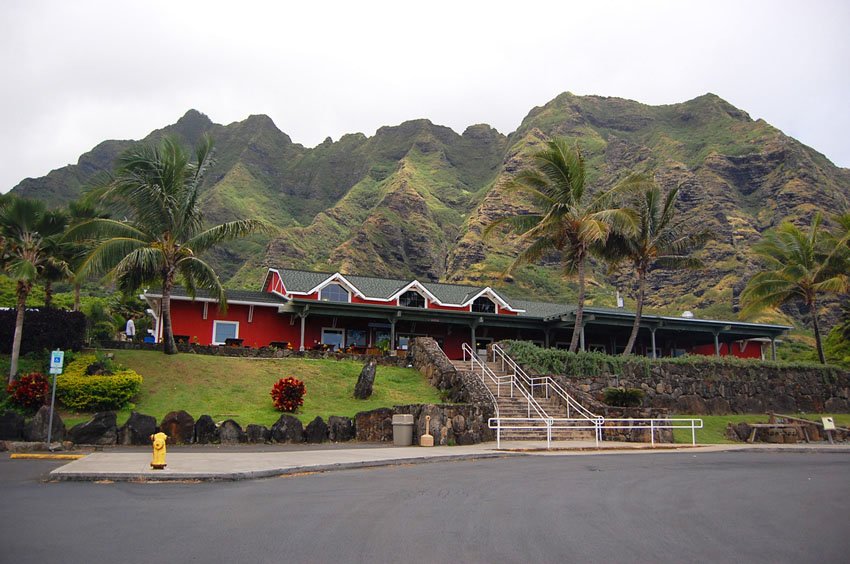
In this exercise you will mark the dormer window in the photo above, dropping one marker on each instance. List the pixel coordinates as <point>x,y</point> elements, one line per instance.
<point>483,305</point>
<point>334,293</point>
<point>411,299</point>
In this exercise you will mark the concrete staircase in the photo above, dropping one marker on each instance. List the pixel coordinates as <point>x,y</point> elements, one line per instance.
<point>517,406</point>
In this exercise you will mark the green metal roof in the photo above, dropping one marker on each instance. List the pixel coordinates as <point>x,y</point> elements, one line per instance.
<point>234,296</point>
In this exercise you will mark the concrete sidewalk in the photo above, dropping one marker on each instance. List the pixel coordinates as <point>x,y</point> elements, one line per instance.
<point>233,464</point>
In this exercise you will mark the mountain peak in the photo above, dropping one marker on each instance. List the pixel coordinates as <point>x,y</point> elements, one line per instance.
<point>194,117</point>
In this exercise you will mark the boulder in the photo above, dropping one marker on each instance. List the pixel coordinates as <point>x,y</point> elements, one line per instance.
<point>316,431</point>
<point>340,429</point>
<point>206,431</point>
<point>288,429</point>
<point>363,387</point>
<point>36,429</point>
<point>11,426</point>
<point>99,430</point>
<point>231,433</point>
<point>258,434</point>
<point>374,425</point>
<point>179,426</point>
<point>137,430</point>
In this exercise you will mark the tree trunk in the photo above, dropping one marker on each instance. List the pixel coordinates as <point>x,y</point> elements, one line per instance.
<point>48,294</point>
<point>816,326</point>
<point>168,344</point>
<point>76,296</point>
<point>22,291</point>
<point>579,307</point>
<point>638,312</point>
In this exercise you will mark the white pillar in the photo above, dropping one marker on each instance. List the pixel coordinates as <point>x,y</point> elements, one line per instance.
<point>581,337</point>
<point>303,319</point>
<point>652,332</point>
<point>716,345</point>
<point>773,348</point>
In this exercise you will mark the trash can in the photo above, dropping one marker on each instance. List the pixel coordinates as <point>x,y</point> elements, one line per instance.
<point>403,430</point>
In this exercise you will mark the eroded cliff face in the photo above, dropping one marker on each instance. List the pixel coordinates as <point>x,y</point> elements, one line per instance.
<point>414,199</point>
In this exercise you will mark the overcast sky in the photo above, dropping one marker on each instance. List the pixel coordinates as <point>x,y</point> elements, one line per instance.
<point>76,73</point>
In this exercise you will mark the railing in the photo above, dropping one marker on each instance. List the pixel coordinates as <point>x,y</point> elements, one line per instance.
<point>597,425</point>
<point>586,420</point>
<point>486,373</point>
<point>545,382</point>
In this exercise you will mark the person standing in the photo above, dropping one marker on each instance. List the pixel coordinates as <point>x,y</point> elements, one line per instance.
<point>130,330</point>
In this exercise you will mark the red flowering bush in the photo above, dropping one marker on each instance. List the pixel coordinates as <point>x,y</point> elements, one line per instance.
<point>29,391</point>
<point>288,394</point>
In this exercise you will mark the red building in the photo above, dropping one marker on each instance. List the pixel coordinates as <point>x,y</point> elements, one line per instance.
<point>307,310</point>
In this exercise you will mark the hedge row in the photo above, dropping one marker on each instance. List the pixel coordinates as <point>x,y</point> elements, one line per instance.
<point>583,364</point>
<point>44,329</point>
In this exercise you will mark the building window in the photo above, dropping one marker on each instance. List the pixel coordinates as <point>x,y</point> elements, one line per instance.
<point>334,338</point>
<point>223,330</point>
<point>483,305</point>
<point>334,293</point>
<point>356,338</point>
<point>411,299</point>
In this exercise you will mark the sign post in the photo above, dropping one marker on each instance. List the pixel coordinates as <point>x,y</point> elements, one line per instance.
<point>57,360</point>
<point>829,427</point>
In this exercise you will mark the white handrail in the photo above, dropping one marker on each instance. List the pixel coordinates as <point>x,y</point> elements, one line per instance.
<point>530,401</point>
<point>545,381</point>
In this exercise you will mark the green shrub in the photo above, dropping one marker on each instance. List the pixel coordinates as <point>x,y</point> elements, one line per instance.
<point>624,397</point>
<point>82,392</point>
<point>584,364</point>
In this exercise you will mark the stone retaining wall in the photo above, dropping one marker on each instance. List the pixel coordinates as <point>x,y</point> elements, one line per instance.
<point>728,389</point>
<point>450,424</point>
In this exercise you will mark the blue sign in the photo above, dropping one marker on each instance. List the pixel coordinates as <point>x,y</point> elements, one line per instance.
<point>57,359</point>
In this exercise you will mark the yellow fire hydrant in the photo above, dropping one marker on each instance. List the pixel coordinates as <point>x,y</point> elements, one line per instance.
<point>158,462</point>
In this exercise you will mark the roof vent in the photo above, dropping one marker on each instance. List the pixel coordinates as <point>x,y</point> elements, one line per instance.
<point>688,314</point>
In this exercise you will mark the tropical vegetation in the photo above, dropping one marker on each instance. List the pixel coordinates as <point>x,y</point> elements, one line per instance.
<point>158,188</point>
<point>663,239</point>
<point>802,265</point>
<point>568,220</point>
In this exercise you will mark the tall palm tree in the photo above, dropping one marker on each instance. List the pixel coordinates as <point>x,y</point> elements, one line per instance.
<point>158,189</point>
<point>662,240</point>
<point>569,220</point>
<point>31,235</point>
<point>798,265</point>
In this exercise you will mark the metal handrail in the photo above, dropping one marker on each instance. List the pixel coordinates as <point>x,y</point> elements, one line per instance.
<point>546,381</point>
<point>492,397</point>
<point>530,401</point>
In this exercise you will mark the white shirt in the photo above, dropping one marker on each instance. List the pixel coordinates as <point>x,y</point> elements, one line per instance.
<point>131,328</point>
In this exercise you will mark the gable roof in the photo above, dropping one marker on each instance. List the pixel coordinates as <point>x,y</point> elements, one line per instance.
<point>305,282</point>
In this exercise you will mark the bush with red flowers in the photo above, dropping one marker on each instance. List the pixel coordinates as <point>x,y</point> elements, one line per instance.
<point>288,394</point>
<point>29,391</point>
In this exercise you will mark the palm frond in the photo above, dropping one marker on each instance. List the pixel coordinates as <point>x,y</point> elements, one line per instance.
<point>227,232</point>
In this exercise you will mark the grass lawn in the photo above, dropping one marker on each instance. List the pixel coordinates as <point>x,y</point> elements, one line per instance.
<point>714,426</point>
<point>238,388</point>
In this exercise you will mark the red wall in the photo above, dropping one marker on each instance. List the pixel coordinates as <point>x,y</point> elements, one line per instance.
<point>267,325</point>
<point>751,350</point>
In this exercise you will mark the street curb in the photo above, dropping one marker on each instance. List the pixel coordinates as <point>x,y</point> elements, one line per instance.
<point>270,473</point>
<point>36,456</point>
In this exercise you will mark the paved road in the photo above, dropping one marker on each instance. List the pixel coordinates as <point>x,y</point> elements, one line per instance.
<point>670,507</point>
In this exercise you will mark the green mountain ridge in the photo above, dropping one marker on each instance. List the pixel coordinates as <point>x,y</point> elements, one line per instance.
<point>412,200</point>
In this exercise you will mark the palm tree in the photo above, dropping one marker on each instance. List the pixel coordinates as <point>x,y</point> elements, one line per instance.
<point>158,188</point>
<point>798,265</point>
<point>568,221</point>
<point>661,241</point>
<point>79,212</point>
<point>31,235</point>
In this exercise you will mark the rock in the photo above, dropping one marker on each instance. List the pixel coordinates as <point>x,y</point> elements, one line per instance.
<point>258,434</point>
<point>206,431</point>
<point>36,429</point>
<point>288,429</point>
<point>366,380</point>
<point>99,430</point>
<point>231,433</point>
<point>316,431</point>
<point>137,430</point>
<point>179,426</point>
<point>374,425</point>
<point>340,429</point>
<point>692,405</point>
<point>11,426</point>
